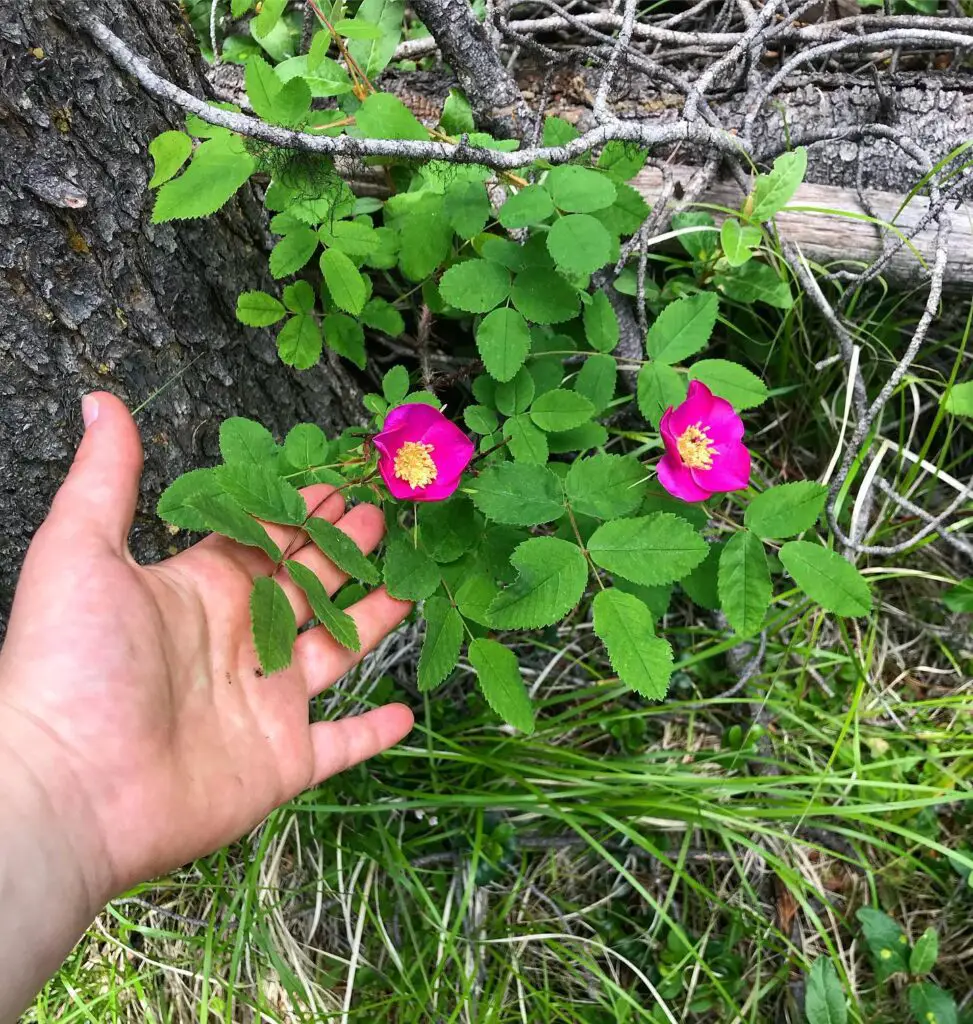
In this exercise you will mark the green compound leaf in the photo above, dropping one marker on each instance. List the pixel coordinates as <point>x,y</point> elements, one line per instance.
<point>258,309</point>
<point>381,315</point>
<point>503,341</point>
<point>292,252</point>
<point>551,581</point>
<point>243,440</point>
<point>218,168</point>
<point>299,297</point>
<point>306,446</point>
<point>480,419</point>
<point>518,494</point>
<point>345,336</point>
<point>410,574</point>
<point>596,380</point>
<point>756,282</point>
<point>931,1005</point>
<point>824,1002</point>
<point>531,205</point>
<point>384,116</point>
<point>341,549</point>
<point>579,190</point>
<point>514,396</point>
<point>659,386</point>
<point>600,323</point>
<point>261,492</point>
<point>683,328</point>
<point>579,244</point>
<point>605,486</point>
<point>169,152</point>
<point>786,510</point>
<point>501,683</point>
<point>347,286</point>
<point>272,623</point>
<point>702,583</point>
<point>467,207</point>
<point>660,548</point>
<point>395,384</point>
<point>448,529</point>
<point>924,953</point>
<point>441,644</point>
<point>544,297</point>
<point>299,342</point>
<point>827,578</point>
<point>622,160</point>
<point>476,285</point>
<point>561,409</point>
<point>176,504</point>
<point>885,940</point>
<point>741,388</point>
<point>526,443</point>
<point>744,583</point>
<point>338,623</point>
<point>626,627</point>
<point>772,192</point>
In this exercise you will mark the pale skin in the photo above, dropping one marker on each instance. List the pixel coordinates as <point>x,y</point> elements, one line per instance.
<point>136,731</point>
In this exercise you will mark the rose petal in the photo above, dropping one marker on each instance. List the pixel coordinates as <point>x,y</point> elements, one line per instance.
<point>678,480</point>
<point>668,437</point>
<point>730,472</point>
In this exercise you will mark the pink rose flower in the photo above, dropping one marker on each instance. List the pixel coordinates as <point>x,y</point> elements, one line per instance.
<point>703,450</point>
<point>422,454</point>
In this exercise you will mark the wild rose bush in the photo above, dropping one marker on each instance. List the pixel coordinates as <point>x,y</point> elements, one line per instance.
<point>561,481</point>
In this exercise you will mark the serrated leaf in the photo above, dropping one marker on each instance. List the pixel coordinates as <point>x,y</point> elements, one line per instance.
<point>395,384</point>
<point>660,548</point>
<point>272,623</point>
<point>659,387</point>
<point>518,494</point>
<point>299,342</point>
<point>525,442</point>
<point>738,241</point>
<point>827,578</point>
<point>410,574</point>
<point>578,189</point>
<point>384,116</point>
<point>480,419</point>
<point>175,505</point>
<point>960,597</point>
<point>424,235</point>
<point>531,205</point>
<point>744,583</point>
<point>243,440</point>
<point>557,131</point>
<point>885,940</point>
<point>560,410</point>
<point>579,244</point>
<point>501,683</point>
<point>683,328</point>
<point>169,151</point>
<point>931,1005</point>
<point>441,644</point>
<point>824,1000</point>
<point>741,388</point>
<point>475,285</point>
<point>299,297</point>
<point>381,315</point>
<point>772,192</point>
<point>467,207</point>
<point>959,400</point>
<point>265,22</point>
<point>543,296</point>
<point>552,574</point>
<point>261,492</point>
<point>219,513</point>
<point>306,446</point>
<point>514,396</point>
<point>756,282</point>
<point>345,336</point>
<point>626,215</point>
<point>580,439</point>
<point>457,116</point>
<point>258,309</point>
<point>786,510</point>
<point>626,627</point>
<point>448,529</point>
<point>702,583</point>
<point>503,341</point>
<point>605,486</point>
<point>596,380</point>
<point>924,953</point>
<point>698,243</point>
<point>341,550</point>
<point>601,323</point>
<point>622,160</point>
<point>338,623</point>
<point>344,281</point>
<point>323,76</point>
<point>292,252</point>
<point>262,87</point>
<point>218,168</point>
<point>353,237</point>
<point>373,55</point>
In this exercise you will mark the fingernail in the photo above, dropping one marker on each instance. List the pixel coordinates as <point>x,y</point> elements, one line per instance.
<point>89,409</point>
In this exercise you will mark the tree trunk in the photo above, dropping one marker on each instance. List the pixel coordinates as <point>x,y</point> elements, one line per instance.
<point>94,296</point>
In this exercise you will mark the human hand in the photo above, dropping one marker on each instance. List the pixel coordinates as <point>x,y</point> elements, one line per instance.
<point>132,695</point>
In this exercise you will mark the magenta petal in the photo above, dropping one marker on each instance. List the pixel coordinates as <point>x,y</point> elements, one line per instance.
<point>695,409</point>
<point>730,471</point>
<point>668,437</point>
<point>439,490</point>
<point>678,480</point>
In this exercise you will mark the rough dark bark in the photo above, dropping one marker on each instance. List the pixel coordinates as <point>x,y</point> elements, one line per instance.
<point>93,296</point>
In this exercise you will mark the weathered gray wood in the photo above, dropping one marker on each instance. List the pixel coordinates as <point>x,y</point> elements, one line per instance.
<point>843,242</point>
<point>94,296</point>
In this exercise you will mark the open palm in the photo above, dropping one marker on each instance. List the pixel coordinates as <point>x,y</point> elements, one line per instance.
<point>137,689</point>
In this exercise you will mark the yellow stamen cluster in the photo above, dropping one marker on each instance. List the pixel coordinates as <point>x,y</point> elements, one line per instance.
<point>414,464</point>
<point>696,449</point>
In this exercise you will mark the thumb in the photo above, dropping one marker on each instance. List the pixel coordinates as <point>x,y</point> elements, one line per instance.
<point>99,495</point>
